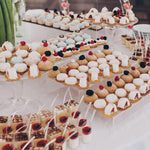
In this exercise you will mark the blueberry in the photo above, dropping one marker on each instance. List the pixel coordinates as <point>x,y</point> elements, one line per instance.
<point>89,92</point>
<point>142,64</point>
<point>47,53</point>
<point>55,68</point>
<point>106,47</point>
<point>105,38</point>
<point>82,57</point>
<point>126,72</point>
<point>109,83</point>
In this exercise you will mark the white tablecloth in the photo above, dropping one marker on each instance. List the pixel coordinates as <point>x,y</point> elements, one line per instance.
<point>129,130</point>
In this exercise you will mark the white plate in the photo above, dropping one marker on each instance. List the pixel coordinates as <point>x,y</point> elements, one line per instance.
<point>142,28</point>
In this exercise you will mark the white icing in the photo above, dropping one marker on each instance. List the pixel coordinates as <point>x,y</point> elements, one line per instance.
<point>124,20</point>
<point>20,67</point>
<point>106,71</point>
<point>83,68</point>
<point>71,80</point>
<point>111,98</point>
<point>133,95</point>
<point>121,92</point>
<point>6,54</point>
<point>130,87</point>
<point>73,143</point>
<point>83,82</point>
<point>109,108</point>
<point>123,103</point>
<point>102,60</point>
<point>86,138</point>
<point>34,54</point>
<point>114,61</point>
<point>100,103</point>
<point>11,73</point>
<point>8,46</point>
<point>62,76</point>
<point>81,75</point>
<point>94,69</point>
<point>35,45</point>
<point>34,71</point>
<point>145,77</point>
<point>110,20</point>
<point>102,66</point>
<point>117,53</point>
<point>73,72</point>
<point>4,67</point>
<point>92,64</point>
<point>22,53</point>
<point>138,81</point>
<point>144,88</point>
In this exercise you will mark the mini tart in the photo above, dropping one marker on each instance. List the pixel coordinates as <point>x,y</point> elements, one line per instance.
<point>123,104</point>
<point>92,64</point>
<point>18,78</point>
<point>53,72</point>
<point>83,88</point>
<point>119,82</point>
<point>21,68</point>
<point>106,50</point>
<point>73,64</point>
<point>99,54</point>
<point>110,76</point>
<point>73,72</point>
<point>84,47</point>
<point>111,98</point>
<point>145,77</point>
<point>99,104</point>
<point>83,68</point>
<point>61,77</point>
<point>23,46</point>
<point>91,57</point>
<point>138,82</point>
<point>70,81</point>
<point>120,92</point>
<point>45,65</point>
<point>127,77</point>
<point>110,111</point>
<point>134,72</point>
<point>144,89</point>
<point>101,92</point>
<point>30,77</point>
<point>63,69</point>
<point>110,87</point>
<point>134,96</point>
<point>82,60</point>
<point>143,68</point>
<point>90,96</point>
<point>95,81</point>
<point>129,87</point>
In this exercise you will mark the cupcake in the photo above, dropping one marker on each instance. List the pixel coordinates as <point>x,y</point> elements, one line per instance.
<point>101,92</point>
<point>134,72</point>
<point>129,87</point>
<point>123,104</point>
<point>23,46</point>
<point>144,89</point>
<point>91,56</point>
<point>99,54</point>
<point>119,82</point>
<point>99,104</point>
<point>106,50</point>
<point>61,77</point>
<point>110,111</point>
<point>111,98</point>
<point>44,64</point>
<point>110,87</point>
<point>70,81</point>
<point>53,72</point>
<point>90,96</point>
<point>120,92</point>
<point>138,82</point>
<point>134,96</point>
<point>73,64</point>
<point>82,60</point>
<point>143,67</point>
<point>7,46</point>
<point>49,56</point>
<point>127,77</point>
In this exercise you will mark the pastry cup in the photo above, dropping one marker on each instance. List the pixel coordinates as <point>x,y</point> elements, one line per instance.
<point>110,76</point>
<point>18,78</point>
<point>70,84</point>
<point>88,85</point>
<point>129,66</point>
<point>96,81</point>
<point>30,77</point>
<point>134,101</point>
<point>109,116</point>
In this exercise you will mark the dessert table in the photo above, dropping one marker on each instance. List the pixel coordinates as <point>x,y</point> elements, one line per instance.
<point>129,130</point>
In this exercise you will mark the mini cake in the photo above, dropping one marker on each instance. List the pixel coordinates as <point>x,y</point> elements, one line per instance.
<point>110,87</point>
<point>117,53</point>
<point>16,60</point>
<point>129,87</point>
<point>34,72</point>
<point>91,56</point>
<point>101,92</point>
<point>106,50</point>
<point>144,89</point>
<point>143,68</point>
<point>115,66</point>
<point>110,21</point>
<point>73,72</point>
<point>134,96</point>
<point>83,68</point>
<point>98,20</point>
<point>21,68</point>
<point>145,77</point>
<point>102,61</point>
<point>83,83</point>
<point>90,96</point>
<point>138,82</point>
<point>92,64</point>
<point>93,44</point>
<point>127,77</point>
<point>53,72</point>
<point>49,56</point>
<point>125,61</point>
<point>61,77</point>
<point>84,46</point>
<point>99,54</point>
<point>119,82</point>
<point>6,55</point>
<point>44,64</point>
<point>73,64</point>
<point>110,57</point>
<point>106,72</point>
<point>99,104</point>
<point>124,21</point>
<point>111,98</point>
<point>23,46</point>
<point>82,60</point>
<point>70,81</point>
<point>110,110</point>
<point>67,52</point>
<point>123,104</point>
<point>134,72</point>
<point>120,92</point>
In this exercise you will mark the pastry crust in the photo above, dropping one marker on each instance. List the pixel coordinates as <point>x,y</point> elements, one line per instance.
<point>12,79</point>
<point>120,109</point>
<point>88,85</point>
<point>109,116</point>
<point>98,109</point>
<point>111,75</point>
<point>129,66</point>
<point>97,81</point>
<point>40,73</point>
<point>88,99</point>
<point>119,72</point>
<point>134,101</point>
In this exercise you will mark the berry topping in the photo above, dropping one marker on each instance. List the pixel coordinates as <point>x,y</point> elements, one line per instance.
<point>36,126</point>
<point>76,115</point>
<point>105,38</point>
<point>82,57</point>
<point>90,53</point>
<point>7,130</point>
<point>43,41</point>
<point>74,135</point>
<point>133,68</point>
<point>63,119</point>
<point>60,139</point>
<point>23,43</point>
<point>117,78</point>
<point>21,127</point>
<point>51,124</point>
<point>73,48</point>
<point>101,87</point>
<point>47,53</point>
<point>89,92</point>
<point>97,38</point>
<point>60,54</point>
<point>45,44</point>
<point>61,36</point>
<point>89,42</point>
<point>44,58</point>
<point>55,68</point>
<point>41,143</point>
<point>55,54</point>
<point>77,45</point>
<point>92,42</point>
<point>55,10</point>
<point>82,44</point>
<point>64,49</point>
<point>46,10</point>
<point>106,47</point>
<point>82,122</point>
<point>86,130</point>
<point>142,64</point>
<point>126,72</point>
<point>101,37</point>
<point>27,147</point>
<point>117,15</point>
<point>8,147</point>
<point>109,83</point>
<point>68,69</point>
